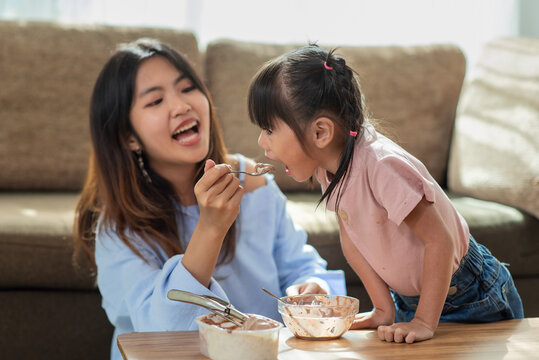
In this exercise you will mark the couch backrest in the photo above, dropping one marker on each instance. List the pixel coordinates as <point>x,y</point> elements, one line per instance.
<point>495,149</point>
<point>47,74</point>
<point>412,91</point>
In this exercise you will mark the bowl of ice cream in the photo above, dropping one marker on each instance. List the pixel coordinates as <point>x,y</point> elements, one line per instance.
<point>318,317</point>
<point>220,339</point>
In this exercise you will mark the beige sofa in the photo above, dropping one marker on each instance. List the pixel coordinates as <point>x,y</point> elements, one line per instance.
<point>49,310</point>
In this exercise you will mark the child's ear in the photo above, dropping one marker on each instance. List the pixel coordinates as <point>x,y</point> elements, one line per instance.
<point>323,131</point>
<point>133,143</point>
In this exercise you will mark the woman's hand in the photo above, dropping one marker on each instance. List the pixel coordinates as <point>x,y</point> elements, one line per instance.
<point>415,330</point>
<point>373,319</point>
<point>305,288</point>
<point>218,196</point>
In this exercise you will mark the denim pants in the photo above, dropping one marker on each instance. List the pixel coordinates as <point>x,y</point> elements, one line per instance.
<point>481,290</point>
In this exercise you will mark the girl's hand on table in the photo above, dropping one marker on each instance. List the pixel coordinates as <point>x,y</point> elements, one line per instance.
<point>372,319</point>
<point>415,330</point>
<point>305,288</point>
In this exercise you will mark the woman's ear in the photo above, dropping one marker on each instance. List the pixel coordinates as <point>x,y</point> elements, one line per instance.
<point>323,131</point>
<point>133,143</point>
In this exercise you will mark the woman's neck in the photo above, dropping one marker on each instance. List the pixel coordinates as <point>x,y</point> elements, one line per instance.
<point>182,180</point>
<point>186,198</point>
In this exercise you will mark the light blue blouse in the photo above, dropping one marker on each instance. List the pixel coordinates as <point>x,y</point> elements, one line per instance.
<point>271,252</point>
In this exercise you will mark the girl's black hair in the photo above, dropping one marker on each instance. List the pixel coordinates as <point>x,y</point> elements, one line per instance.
<point>305,84</point>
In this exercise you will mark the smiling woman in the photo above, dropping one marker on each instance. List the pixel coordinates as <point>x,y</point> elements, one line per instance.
<point>161,209</point>
<point>170,116</point>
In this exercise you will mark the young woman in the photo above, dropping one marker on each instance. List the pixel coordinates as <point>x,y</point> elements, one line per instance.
<point>161,210</point>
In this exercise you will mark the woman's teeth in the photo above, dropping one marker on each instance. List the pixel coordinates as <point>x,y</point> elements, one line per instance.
<point>186,133</point>
<point>186,138</point>
<point>184,128</point>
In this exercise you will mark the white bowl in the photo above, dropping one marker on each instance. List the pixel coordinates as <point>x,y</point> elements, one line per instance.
<point>222,340</point>
<point>318,317</point>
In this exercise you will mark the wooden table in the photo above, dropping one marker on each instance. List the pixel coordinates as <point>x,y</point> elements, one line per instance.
<point>511,339</point>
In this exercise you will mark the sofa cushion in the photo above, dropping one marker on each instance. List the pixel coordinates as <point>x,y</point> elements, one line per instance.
<point>36,242</point>
<point>494,153</point>
<point>510,234</point>
<point>322,230</point>
<point>62,325</point>
<point>412,91</point>
<point>48,72</point>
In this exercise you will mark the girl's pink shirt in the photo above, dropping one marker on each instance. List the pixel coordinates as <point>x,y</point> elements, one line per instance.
<point>383,186</point>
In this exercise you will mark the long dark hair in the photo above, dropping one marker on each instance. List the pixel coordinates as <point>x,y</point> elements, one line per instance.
<point>302,85</point>
<point>115,188</point>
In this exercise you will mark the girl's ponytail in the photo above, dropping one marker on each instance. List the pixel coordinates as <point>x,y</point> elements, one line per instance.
<point>346,90</point>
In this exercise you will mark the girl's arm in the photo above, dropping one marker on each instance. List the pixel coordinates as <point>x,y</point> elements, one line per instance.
<point>429,227</point>
<point>384,309</point>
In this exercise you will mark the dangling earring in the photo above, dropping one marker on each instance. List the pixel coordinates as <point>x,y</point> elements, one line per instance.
<point>141,166</point>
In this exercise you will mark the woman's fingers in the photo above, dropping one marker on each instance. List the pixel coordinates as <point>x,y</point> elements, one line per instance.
<point>215,179</point>
<point>209,164</point>
<point>231,187</point>
<point>218,194</point>
<point>212,173</point>
<point>222,189</point>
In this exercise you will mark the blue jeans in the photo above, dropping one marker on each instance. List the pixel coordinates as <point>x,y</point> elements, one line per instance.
<point>481,290</point>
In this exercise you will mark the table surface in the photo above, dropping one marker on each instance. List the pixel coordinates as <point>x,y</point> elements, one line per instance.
<point>511,339</point>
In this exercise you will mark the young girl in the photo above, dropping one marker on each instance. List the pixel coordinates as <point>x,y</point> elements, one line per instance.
<point>399,231</point>
<point>161,210</point>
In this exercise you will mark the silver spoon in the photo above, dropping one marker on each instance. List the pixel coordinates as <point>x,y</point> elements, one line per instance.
<point>288,312</point>
<point>214,304</point>
<point>260,169</point>
<point>278,298</point>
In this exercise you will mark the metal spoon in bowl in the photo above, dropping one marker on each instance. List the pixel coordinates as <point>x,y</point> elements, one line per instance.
<point>278,298</point>
<point>298,323</point>
<point>216,305</point>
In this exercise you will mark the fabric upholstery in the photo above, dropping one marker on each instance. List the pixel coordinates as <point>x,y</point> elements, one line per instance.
<point>36,245</point>
<point>510,234</point>
<point>495,148</point>
<point>54,324</point>
<point>48,73</point>
<point>411,91</point>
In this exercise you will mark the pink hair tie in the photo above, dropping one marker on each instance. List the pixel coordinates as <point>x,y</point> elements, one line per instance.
<point>327,66</point>
<point>353,133</point>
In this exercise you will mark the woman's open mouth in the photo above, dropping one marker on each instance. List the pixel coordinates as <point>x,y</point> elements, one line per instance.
<point>187,133</point>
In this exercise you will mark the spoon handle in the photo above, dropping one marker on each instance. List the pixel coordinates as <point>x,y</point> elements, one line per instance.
<point>269,293</point>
